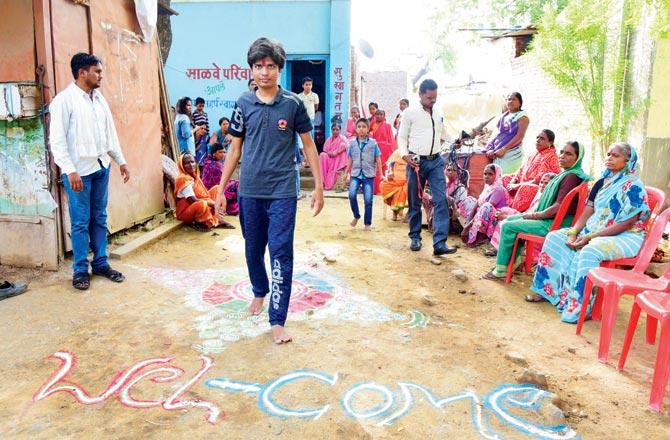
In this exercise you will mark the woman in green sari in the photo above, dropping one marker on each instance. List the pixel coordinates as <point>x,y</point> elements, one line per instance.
<point>539,221</point>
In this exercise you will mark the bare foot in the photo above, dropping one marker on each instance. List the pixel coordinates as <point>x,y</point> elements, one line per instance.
<point>279,335</point>
<point>256,306</point>
<point>368,228</point>
<point>395,216</point>
<point>354,222</point>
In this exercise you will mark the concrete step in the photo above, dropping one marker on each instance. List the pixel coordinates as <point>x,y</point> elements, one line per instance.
<point>146,239</point>
<point>307,182</point>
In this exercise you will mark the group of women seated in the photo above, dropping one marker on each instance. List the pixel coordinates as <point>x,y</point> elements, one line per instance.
<point>526,198</point>
<point>610,227</point>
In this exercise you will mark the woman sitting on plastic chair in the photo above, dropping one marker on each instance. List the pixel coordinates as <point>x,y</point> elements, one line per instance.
<point>539,221</point>
<point>610,227</point>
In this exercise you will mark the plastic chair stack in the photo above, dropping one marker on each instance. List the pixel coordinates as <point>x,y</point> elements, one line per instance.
<point>582,192</point>
<point>657,306</point>
<point>618,282</point>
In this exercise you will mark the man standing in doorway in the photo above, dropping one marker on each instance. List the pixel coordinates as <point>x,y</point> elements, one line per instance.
<point>419,138</point>
<point>82,138</point>
<point>309,98</point>
<point>266,122</point>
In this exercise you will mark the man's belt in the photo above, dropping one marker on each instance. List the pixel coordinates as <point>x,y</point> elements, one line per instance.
<point>429,157</point>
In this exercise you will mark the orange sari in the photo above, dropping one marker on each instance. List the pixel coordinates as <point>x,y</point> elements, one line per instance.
<point>394,192</point>
<point>199,211</point>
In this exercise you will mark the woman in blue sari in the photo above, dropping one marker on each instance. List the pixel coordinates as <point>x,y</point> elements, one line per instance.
<point>610,227</point>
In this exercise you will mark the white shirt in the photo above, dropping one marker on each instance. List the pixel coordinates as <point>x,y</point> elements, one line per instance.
<point>420,133</point>
<point>82,132</point>
<point>310,101</point>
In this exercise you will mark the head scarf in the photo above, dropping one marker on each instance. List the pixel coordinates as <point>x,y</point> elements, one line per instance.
<point>551,191</point>
<point>495,186</point>
<point>621,197</point>
<point>184,179</point>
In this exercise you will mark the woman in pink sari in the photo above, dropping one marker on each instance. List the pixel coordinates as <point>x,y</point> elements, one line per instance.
<point>479,215</point>
<point>334,156</point>
<point>381,131</point>
<point>350,130</point>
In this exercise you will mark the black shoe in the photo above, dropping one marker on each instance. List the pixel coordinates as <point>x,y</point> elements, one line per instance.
<point>415,245</point>
<point>7,289</point>
<point>444,250</point>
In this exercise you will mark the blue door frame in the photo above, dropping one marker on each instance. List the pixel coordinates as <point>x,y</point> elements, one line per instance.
<point>285,79</point>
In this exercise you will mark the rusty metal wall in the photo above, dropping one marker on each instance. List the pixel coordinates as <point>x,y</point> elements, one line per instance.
<point>130,85</point>
<point>17,51</point>
<point>28,221</point>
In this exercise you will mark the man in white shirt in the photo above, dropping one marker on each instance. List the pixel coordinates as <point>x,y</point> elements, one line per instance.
<point>82,138</point>
<point>419,137</point>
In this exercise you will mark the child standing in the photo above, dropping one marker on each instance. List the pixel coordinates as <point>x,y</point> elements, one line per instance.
<point>364,162</point>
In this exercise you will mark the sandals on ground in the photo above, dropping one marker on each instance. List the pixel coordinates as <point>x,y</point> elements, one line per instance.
<point>491,253</point>
<point>110,274</point>
<point>489,276</point>
<point>533,298</point>
<point>225,225</point>
<point>81,281</point>
<point>198,227</point>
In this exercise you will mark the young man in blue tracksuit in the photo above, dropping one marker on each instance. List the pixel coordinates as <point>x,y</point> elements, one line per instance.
<point>267,120</point>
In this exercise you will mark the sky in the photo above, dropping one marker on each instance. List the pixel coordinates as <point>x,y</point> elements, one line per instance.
<point>396,31</point>
<point>400,33</point>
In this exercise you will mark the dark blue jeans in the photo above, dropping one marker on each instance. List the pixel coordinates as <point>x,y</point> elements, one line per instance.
<point>88,220</point>
<point>270,223</point>
<point>433,172</point>
<point>368,187</point>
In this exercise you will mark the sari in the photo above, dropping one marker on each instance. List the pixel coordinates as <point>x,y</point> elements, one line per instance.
<point>199,211</point>
<point>561,271</point>
<point>509,211</point>
<point>331,165</point>
<point>383,134</point>
<point>515,224</point>
<point>394,192</point>
<point>482,211</point>
<point>528,177</point>
<point>507,128</point>
<point>211,177</point>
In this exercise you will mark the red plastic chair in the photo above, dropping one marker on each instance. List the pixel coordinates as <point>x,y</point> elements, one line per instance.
<point>657,306</point>
<point>618,282</point>
<point>581,191</point>
<point>656,201</point>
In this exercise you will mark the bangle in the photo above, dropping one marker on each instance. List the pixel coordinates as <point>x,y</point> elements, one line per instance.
<point>572,232</point>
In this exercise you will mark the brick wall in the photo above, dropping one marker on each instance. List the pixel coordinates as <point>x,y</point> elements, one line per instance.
<point>386,89</point>
<point>548,107</point>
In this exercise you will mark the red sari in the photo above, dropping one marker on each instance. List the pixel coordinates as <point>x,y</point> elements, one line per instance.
<point>383,134</point>
<point>528,177</point>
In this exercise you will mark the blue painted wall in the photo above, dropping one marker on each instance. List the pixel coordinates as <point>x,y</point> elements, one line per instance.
<point>206,34</point>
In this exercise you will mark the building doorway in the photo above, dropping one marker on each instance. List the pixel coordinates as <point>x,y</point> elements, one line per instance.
<point>315,69</point>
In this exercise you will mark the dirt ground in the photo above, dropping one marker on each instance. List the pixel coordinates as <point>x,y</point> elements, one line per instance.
<point>387,345</point>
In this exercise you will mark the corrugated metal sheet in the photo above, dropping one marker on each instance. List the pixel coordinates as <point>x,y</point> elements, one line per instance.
<point>17,60</point>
